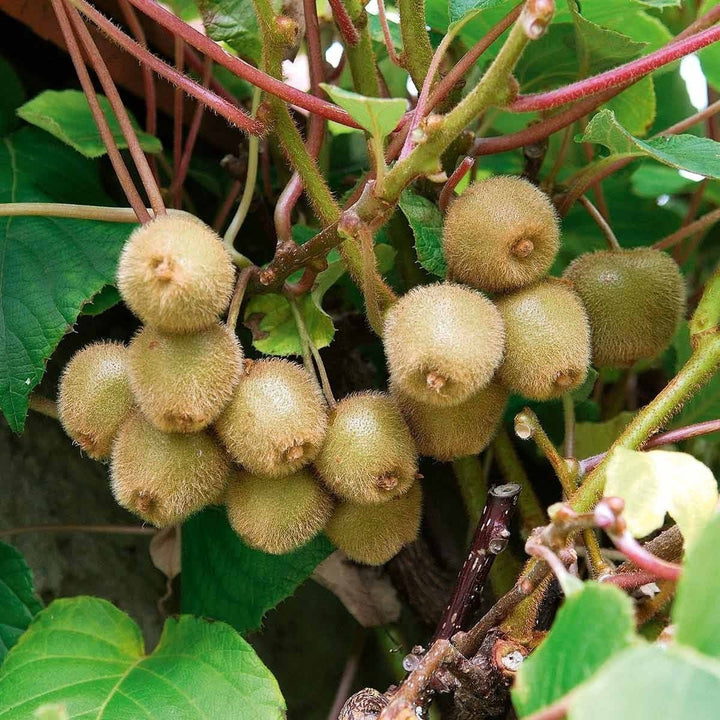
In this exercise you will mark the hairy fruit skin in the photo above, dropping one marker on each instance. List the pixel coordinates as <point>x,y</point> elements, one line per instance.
<point>368,455</point>
<point>94,396</point>
<point>446,433</point>
<point>166,477</point>
<point>500,234</point>
<point>175,274</point>
<point>373,534</point>
<point>547,350</point>
<point>277,515</point>
<point>635,300</point>
<point>276,419</point>
<point>183,382</point>
<point>443,343</point>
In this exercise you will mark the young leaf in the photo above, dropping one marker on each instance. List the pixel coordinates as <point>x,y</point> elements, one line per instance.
<point>224,579</point>
<point>658,482</point>
<point>575,648</point>
<point>18,602</point>
<point>592,438</point>
<point>426,222</point>
<point>88,655</point>
<point>66,115</point>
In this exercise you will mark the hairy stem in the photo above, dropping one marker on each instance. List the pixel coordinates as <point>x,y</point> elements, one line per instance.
<point>360,56</point>
<point>387,37</point>
<point>601,222</point>
<point>417,51</point>
<point>700,225</point>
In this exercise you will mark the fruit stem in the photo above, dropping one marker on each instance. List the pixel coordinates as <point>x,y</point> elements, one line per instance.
<point>237,298</point>
<point>569,421</point>
<point>601,222</point>
<point>700,225</point>
<point>446,194</point>
<point>43,405</point>
<point>178,117</point>
<point>67,210</point>
<point>104,529</point>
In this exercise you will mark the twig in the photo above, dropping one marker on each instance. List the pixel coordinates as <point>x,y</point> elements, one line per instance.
<point>102,529</point>
<point>703,223</point>
<point>349,672</point>
<point>446,194</point>
<point>417,51</point>
<point>601,222</point>
<point>228,202</point>
<point>345,25</point>
<point>389,45</point>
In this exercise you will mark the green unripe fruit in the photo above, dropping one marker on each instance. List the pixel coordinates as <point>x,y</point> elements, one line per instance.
<point>443,343</point>
<point>175,274</point>
<point>183,382</point>
<point>368,455</point>
<point>500,234</point>
<point>547,348</point>
<point>373,534</point>
<point>94,396</point>
<point>277,515</point>
<point>276,419</point>
<point>449,432</point>
<point>166,477</point>
<point>635,300</point>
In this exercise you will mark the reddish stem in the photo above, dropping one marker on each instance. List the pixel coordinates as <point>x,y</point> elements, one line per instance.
<point>314,46</point>
<point>699,225</point>
<point>344,22</point>
<point>704,21</point>
<point>446,194</point>
<point>387,36</point>
<point>630,580</point>
<point>178,117</point>
<point>227,205</point>
<point>637,554</point>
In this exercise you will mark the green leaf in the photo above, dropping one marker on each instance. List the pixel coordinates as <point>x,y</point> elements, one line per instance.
<point>592,625</point>
<point>378,116</point>
<point>51,267</point>
<point>66,115</point>
<point>592,438</point>
<point>18,602</point>
<point>11,97</point>
<point>695,612</point>
<point>685,152</point>
<point>649,682</point>
<point>636,107</point>
<point>224,579</point>
<point>107,297</point>
<point>458,9</point>
<point>426,222</point>
<point>88,655</point>
<point>651,180</point>
<point>234,22</point>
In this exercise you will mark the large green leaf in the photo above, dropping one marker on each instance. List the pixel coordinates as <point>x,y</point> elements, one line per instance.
<point>66,115</point>
<point>234,22</point>
<point>224,579</point>
<point>88,655</point>
<point>426,222</point>
<point>651,180</point>
<point>49,267</point>
<point>18,602</point>
<point>636,107</point>
<point>11,97</point>
<point>377,116</point>
<point>593,625</point>
<point>458,9</point>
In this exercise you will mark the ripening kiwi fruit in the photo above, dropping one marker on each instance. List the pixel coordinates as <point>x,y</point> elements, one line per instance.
<point>94,396</point>
<point>183,382</point>
<point>634,299</point>
<point>165,477</point>
<point>443,343</point>
<point>276,419</point>
<point>280,514</point>
<point>547,346</point>
<point>175,274</point>
<point>373,534</point>
<point>500,234</point>
<point>368,455</point>
<point>449,432</point>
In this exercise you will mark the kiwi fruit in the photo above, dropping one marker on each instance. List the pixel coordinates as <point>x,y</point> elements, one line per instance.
<point>368,455</point>
<point>500,234</point>
<point>183,382</point>
<point>547,346</point>
<point>95,397</point>
<point>635,300</point>
<point>453,431</point>
<point>443,343</point>
<point>165,477</point>
<point>277,515</point>
<point>276,419</point>
<point>175,274</point>
<point>373,534</point>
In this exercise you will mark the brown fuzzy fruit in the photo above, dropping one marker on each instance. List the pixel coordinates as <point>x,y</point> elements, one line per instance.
<point>175,274</point>
<point>277,515</point>
<point>166,477</point>
<point>547,350</point>
<point>94,396</point>
<point>446,433</point>
<point>443,343</point>
<point>183,382</point>
<point>276,419</point>
<point>635,300</point>
<point>368,455</point>
<point>500,234</point>
<point>373,534</point>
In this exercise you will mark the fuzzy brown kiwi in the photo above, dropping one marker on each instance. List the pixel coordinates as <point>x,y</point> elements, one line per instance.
<point>446,433</point>
<point>635,300</point>
<point>166,477</point>
<point>175,274</point>
<point>547,349</point>
<point>183,382</point>
<point>94,396</point>
<point>373,534</point>
<point>276,419</point>
<point>280,514</point>
<point>500,234</point>
<point>443,343</point>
